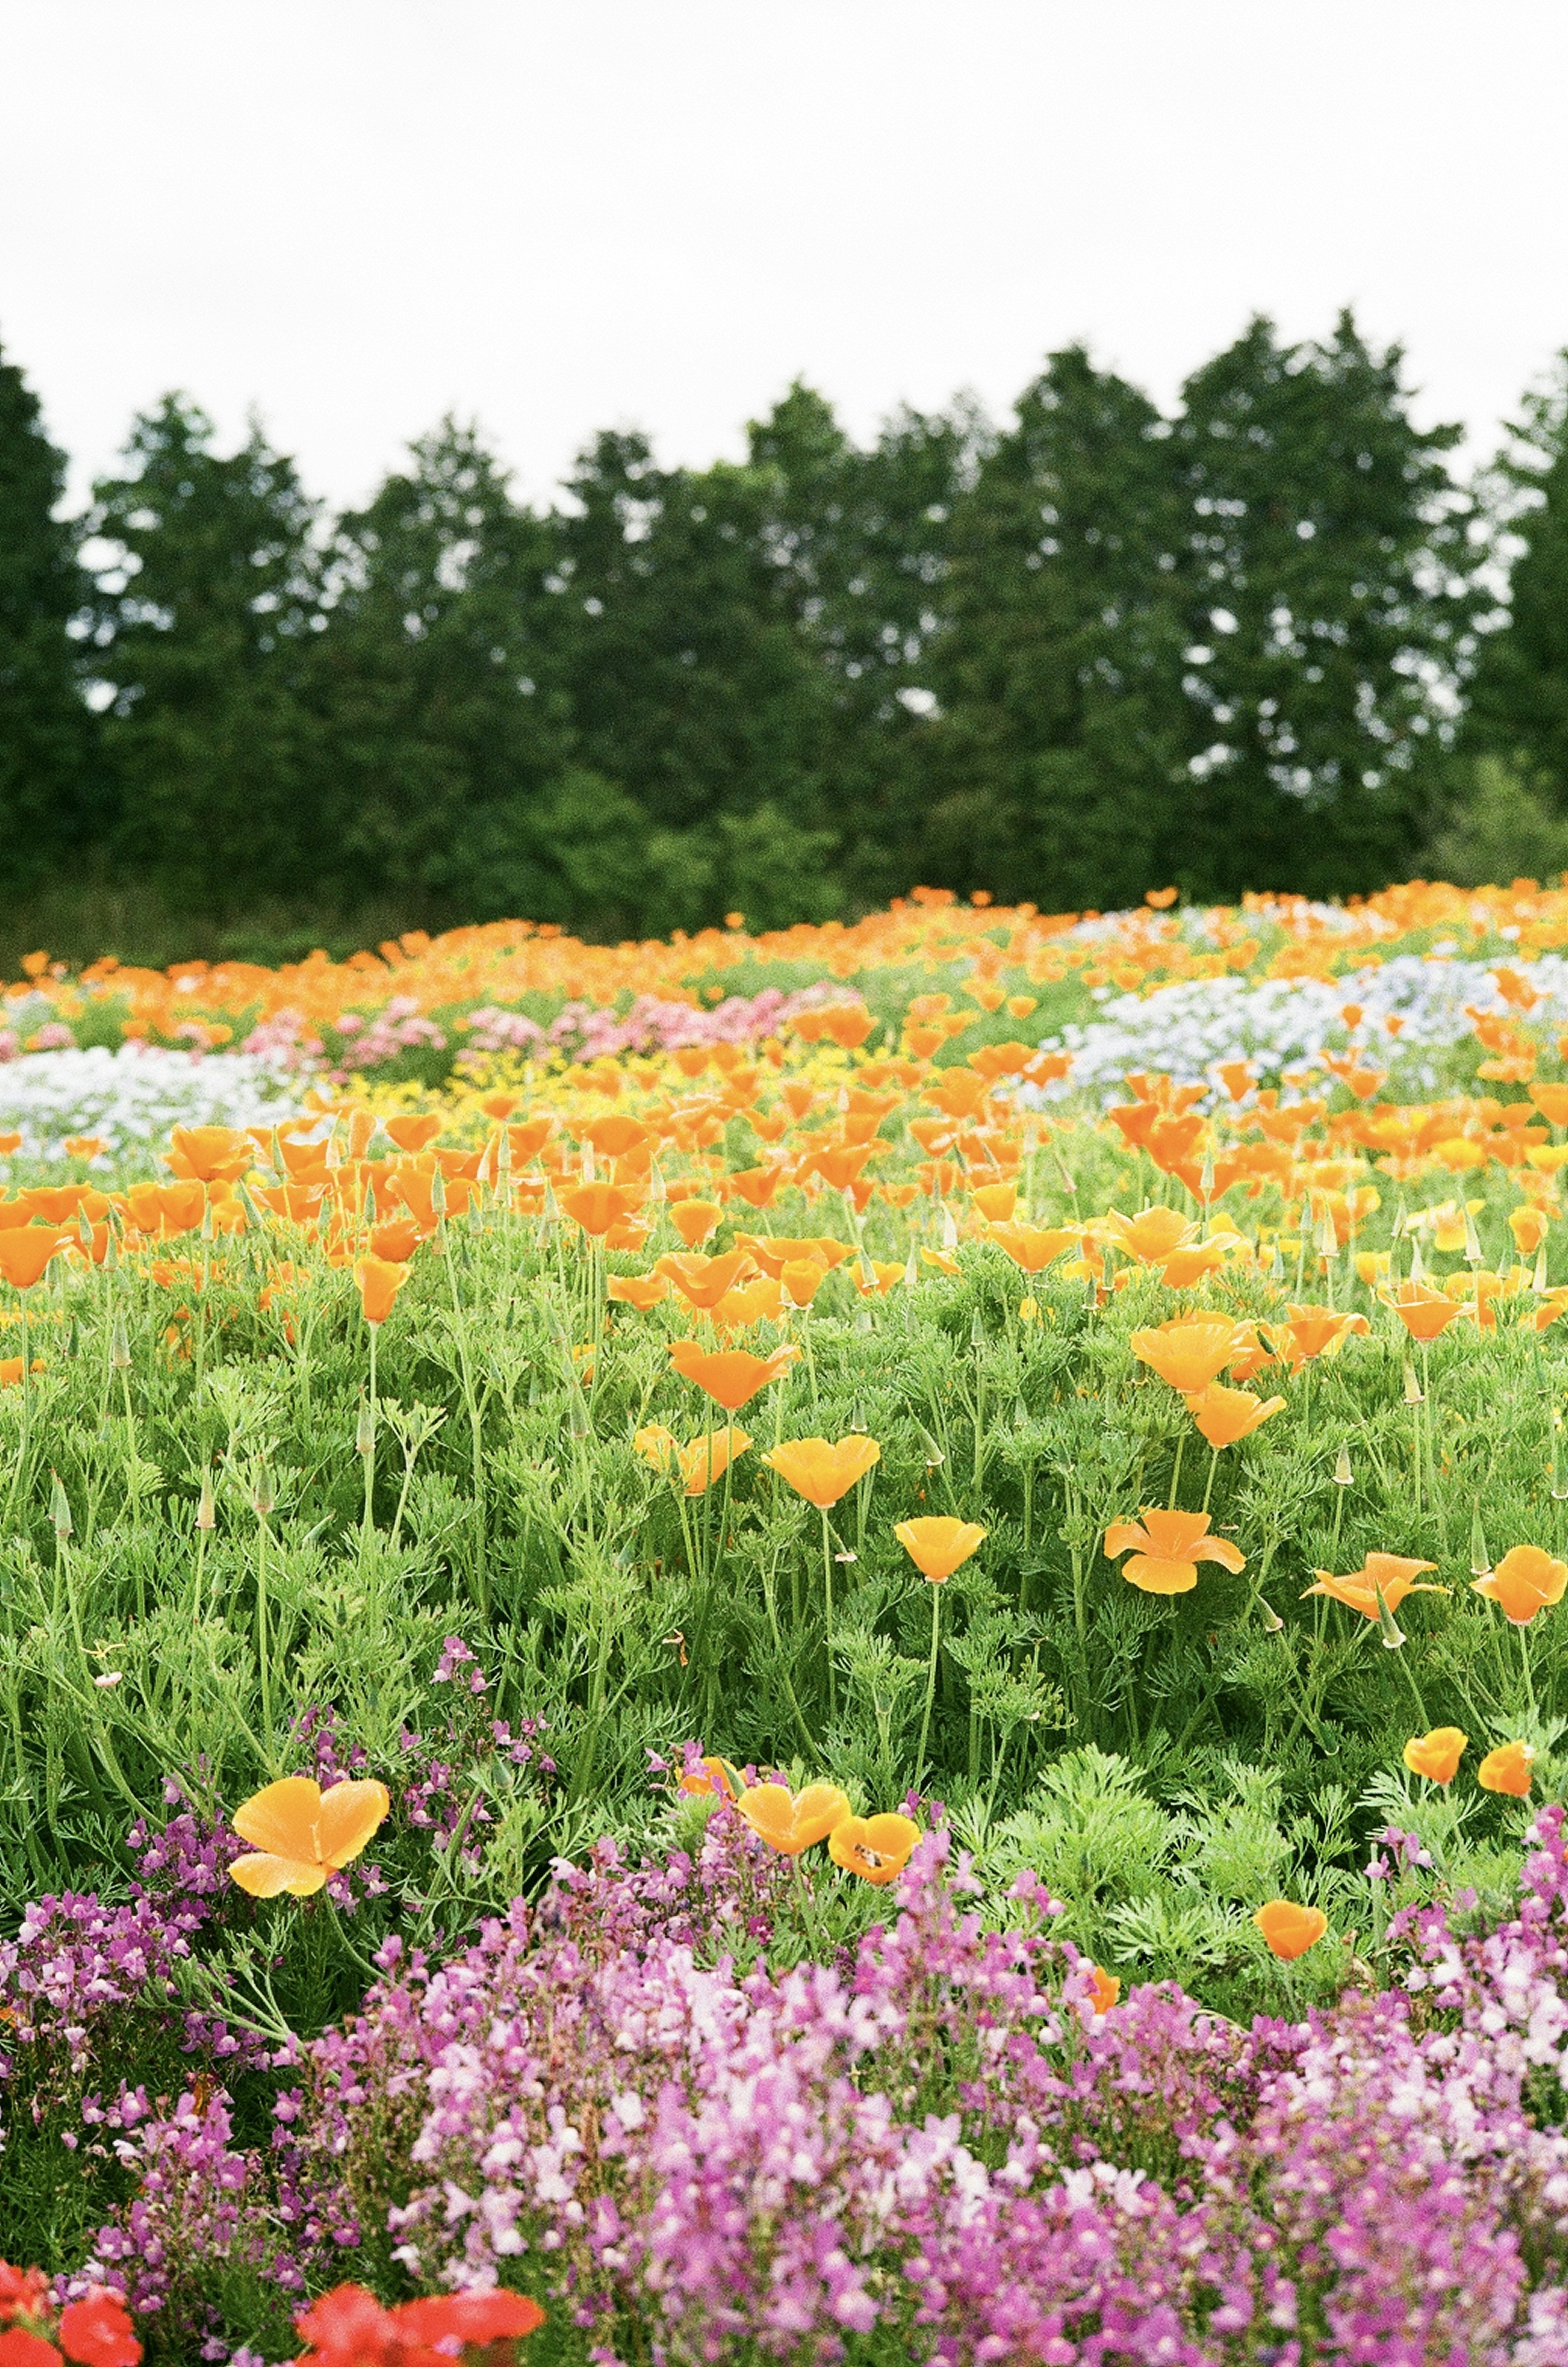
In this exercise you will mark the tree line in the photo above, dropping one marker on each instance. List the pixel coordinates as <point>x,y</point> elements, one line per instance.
<point>1270,639</point>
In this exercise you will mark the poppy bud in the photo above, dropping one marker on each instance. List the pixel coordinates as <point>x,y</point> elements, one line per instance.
<point>60,1508</point>
<point>365,1430</point>
<point>119,1345</point>
<point>206,1508</point>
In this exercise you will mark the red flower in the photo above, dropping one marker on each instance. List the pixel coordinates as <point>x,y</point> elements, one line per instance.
<point>20,2348</point>
<point>97,2331</point>
<point>349,2327</point>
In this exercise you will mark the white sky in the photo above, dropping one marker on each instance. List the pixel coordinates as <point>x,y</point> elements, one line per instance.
<point>564,214</point>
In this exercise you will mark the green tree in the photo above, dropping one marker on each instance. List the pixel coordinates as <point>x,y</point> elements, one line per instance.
<point>857,538</point>
<point>1050,769</point>
<point>1330,608</point>
<point>51,808</point>
<point>1519,707</point>
<point>206,602</point>
<point>689,684</point>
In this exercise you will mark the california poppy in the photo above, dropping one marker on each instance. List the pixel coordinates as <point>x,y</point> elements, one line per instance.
<point>303,1835</point>
<point>1525,1581</point>
<point>1308,1332</point>
<point>640,1291</point>
<point>1389,1576</point>
<point>876,1848</point>
<point>709,1779</point>
<point>821,1472</point>
<point>708,1459</point>
<point>1170,1546</point>
<point>597,1206</point>
<point>1436,1755</point>
<point>703,1281</point>
<point>938,1544</point>
<point>412,1133</point>
<point>1422,1310</point>
<point>210,1154</point>
<point>1104,1988</point>
<point>695,1219</point>
<point>803,1278</point>
<point>1507,1769</point>
<point>1032,1247</point>
<point>1188,1352</point>
<point>1226,1415</point>
<point>25,1251</point>
<point>1150,1237</point>
<point>731,1376</point>
<point>792,1822</point>
<point>1290,1930</point>
<point>379,1284</point>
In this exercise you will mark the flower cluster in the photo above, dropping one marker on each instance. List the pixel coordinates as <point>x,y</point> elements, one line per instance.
<point>953,2135</point>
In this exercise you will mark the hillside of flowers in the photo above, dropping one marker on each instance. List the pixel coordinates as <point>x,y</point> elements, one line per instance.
<point>846,1645</point>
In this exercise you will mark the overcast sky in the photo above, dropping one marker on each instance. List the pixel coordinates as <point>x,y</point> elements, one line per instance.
<point>559,215</point>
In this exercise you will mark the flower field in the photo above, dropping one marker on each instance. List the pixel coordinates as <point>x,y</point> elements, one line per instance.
<point>846,1644</point>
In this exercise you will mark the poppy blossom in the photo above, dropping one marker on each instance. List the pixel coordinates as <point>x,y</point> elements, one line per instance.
<point>707,1459</point>
<point>210,1154</point>
<point>1308,1332</point>
<point>1223,1415</point>
<point>1525,1581</point>
<point>303,1835</point>
<point>597,1206</point>
<point>413,1134</point>
<point>803,1278</point>
<point>638,1290</point>
<point>731,1376</point>
<point>1425,1312</point>
<point>876,1848</point>
<point>703,1281</point>
<point>790,1822</point>
<point>1389,1576</point>
<point>1290,1930</point>
<point>1170,1546</point>
<point>1104,1988</point>
<point>1188,1352</point>
<point>1436,1755</point>
<point>25,1251</point>
<point>938,1544</point>
<point>696,1219</point>
<point>709,1779</point>
<point>1031,1247</point>
<point>379,1282</point>
<point>1507,1769</point>
<point>1150,1237</point>
<point>821,1472</point>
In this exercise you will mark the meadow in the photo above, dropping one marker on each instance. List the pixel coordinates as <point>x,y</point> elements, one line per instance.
<point>840,1644</point>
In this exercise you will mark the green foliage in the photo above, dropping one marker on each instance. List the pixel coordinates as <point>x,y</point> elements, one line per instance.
<point>46,794</point>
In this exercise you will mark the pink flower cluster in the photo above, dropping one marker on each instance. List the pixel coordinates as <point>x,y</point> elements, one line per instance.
<point>585,1032</point>
<point>934,2140</point>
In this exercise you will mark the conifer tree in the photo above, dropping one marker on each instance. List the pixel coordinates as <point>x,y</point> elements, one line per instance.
<point>1519,707</point>
<point>49,798</point>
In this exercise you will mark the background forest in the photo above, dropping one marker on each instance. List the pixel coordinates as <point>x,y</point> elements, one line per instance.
<point>1275,640</point>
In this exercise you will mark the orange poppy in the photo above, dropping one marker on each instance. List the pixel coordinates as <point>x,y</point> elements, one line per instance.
<point>379,1282</point>
<point>1389,1576</point>
<point>1436,1755</point>
<point>803,1278</point>
<point>1170,1546</point>
<point>304,1835</point>
<point>1308,1332</point>
<point>597,1206</point>
<point>1425,1312</point>
<point>876,1848</point>
<point>1525,1581</point>
<point>792,1822</point>
<point>1032,1247</point>
<point>396,1240</point>
<point>25,1251</point>
<point>821,1472</point>
<point>11,1368</point>
<point>1290,1930</point>
<point>708,1459</point>
<point>1507,1769</point>
<point>759,1301</point>
<point>1188,1352</point>
<point>703,1281</point>
<point>412,1133</point>
<point>1104,1988</point>
<point>938,1544</point>
<point>710,1779</point>
<point>640,1291</point>
<point>1225,1415</point>
<point>696,1219</point>
<point>731,1376</point>
<point>210,1154</point>
<point>1152,1236</point>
